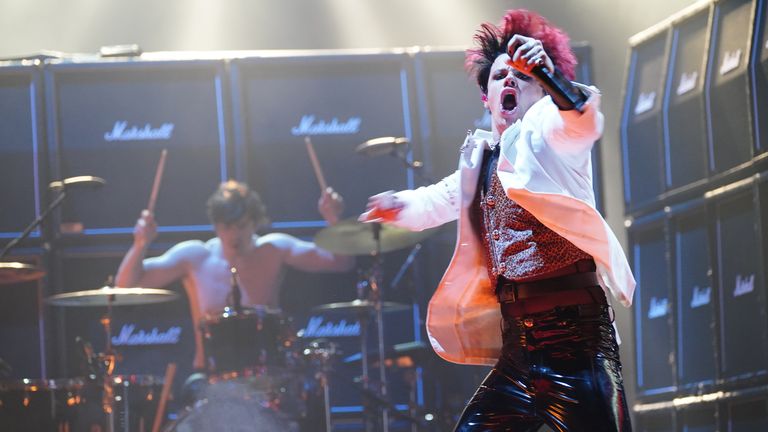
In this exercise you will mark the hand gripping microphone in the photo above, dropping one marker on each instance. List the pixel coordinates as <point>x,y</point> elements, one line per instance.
<point>564,94</point>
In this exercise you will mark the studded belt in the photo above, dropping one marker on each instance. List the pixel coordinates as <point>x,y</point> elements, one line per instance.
<point>511,291</point>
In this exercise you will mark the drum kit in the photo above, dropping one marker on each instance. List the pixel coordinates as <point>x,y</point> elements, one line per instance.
<point>256,371</point>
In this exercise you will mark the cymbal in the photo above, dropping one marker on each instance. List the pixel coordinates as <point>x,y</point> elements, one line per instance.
<point>258,310</point>
<point>360,306</point>
<point>381,146</point>
<point>351,237</point>
<point>14,272</point>
<point>417,351</point>
<point>120,297</point>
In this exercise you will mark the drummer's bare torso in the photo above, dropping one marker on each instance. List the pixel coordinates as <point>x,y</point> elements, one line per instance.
<point>260,269</point>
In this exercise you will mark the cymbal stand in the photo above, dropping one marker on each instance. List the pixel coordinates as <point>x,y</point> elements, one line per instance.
<point>108,359</point>
<point>376,298</point>
<point>35,223</point>
<point>363,317</point>
<point>323,351</point>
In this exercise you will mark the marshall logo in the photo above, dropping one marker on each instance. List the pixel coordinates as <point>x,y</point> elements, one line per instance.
<point>744,285</point>
<point>317,328</point>
<point>121,132</point>
<point>701,297</point>
<point>484,122</point>
<point>687,82</point>
<point>731,61</point>
<point>309,126</point>
<point>658,308</point>
<point>129,337</point>
<point>645,102</point>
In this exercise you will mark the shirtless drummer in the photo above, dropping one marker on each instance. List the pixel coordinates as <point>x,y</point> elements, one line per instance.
<point>237,213</point>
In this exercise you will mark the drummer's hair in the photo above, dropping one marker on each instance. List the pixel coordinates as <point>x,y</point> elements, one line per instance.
<point>233,200</point>
<point>491,41</point>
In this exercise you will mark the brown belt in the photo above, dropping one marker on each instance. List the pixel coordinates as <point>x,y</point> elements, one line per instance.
<point>511,291</point>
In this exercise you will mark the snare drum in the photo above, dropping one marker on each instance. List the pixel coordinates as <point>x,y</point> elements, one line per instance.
<point>255,339</point>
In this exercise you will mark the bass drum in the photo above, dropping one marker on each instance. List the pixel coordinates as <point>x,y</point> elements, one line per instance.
<point>263,403</point>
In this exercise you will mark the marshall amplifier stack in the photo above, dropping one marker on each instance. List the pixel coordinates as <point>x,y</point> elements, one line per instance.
<point>338,101</point>
<point>112,120</point>
<point>693,140</point>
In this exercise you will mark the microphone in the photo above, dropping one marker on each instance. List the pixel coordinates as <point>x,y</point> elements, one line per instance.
<point>564,94</point>
<point>77,181</point>
<point>237,304</point>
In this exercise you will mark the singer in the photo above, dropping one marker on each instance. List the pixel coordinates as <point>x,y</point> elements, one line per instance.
<point>526,288</point>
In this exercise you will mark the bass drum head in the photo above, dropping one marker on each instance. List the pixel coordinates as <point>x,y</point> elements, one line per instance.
<point>247,404</point>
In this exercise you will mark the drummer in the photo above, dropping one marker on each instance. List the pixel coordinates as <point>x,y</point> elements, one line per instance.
<point>237,214</point>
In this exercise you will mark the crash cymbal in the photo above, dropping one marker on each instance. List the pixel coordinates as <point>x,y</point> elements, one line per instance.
<point>14,272</point>
<point>120,297</point>
<point>351,237</point>
<point>361,306</point>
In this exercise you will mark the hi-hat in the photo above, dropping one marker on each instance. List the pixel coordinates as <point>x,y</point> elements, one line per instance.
<point>360,306</point>
<point>115,296</point>
<point>416,352</point>
<point>381,146</point>
<point>351,237</point>
<point>15,272</point>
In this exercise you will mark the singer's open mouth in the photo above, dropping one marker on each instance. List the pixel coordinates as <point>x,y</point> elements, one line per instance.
<point>509,101</point>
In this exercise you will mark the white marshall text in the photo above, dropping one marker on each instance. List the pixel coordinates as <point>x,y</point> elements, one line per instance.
<point>128,336</point>
<point>310,126</point>
<point>317,328</point>
<point>121,132</point>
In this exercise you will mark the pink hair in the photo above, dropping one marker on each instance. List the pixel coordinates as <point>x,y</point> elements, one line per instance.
<point>492,41</point>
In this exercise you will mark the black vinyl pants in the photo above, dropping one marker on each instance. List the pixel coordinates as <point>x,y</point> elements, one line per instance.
<point>558,367</point>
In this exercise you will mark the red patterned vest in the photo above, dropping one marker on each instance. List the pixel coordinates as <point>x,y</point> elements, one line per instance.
<point>517,246</point>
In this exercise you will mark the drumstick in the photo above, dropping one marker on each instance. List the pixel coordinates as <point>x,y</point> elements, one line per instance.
<point>170,371</point>
<point>315,165</point>
<point>158,179</point>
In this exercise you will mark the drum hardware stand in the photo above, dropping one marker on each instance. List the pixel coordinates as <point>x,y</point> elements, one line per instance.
<point>363,317</point>
<point>324,351</point>
<point>108,360</point>
<point>376,298</point>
